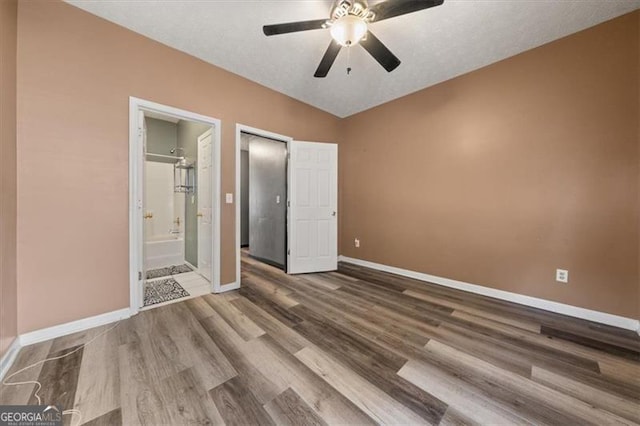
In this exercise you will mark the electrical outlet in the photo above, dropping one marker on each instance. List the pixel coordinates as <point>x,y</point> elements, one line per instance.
<point>356,242</point>
<point>562,275</point>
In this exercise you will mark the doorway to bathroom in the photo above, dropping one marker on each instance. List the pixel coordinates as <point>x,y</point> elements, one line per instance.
<point>175,214</point>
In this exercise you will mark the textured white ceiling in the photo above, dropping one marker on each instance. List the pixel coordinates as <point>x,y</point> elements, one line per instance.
<point>434,45</point>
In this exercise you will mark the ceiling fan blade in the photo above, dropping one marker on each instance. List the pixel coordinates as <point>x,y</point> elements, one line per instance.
<point>380,52</point>
<point>328,59</point>
<point>293,27</point>
<point>393,8</point>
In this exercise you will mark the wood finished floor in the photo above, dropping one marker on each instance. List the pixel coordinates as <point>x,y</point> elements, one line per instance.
<point>349,347</point>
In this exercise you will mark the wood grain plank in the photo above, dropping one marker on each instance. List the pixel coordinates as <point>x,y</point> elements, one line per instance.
<point>555,402</point>
<point>284,315</point>
<point>29,355</point>
<point>319,329</point>
<point>373,327</point>
<point>454,418</point>
<point>284,335</point>
<point>199,308</point>
<point>207,360</point>
<point>626,351</point>
<point>237,404</point>
<point>323,281</point>
<point>245,328</point>
<point>375,363</point>
<point>270,291</point>
<point>234,349</point>
<point>98,390</point>
<point>112,418</point>
<point>618,375</point>
<point>482,313</point>
<point>623,407</point>
<point>287,371</point>
<point>59,378</point>
<point>465,399</point>
<point>372,277</point>
<point>369,398</point>
<point>288,409</point>
<point>187,401</point>
<point>141,402</point>
<point>163,355</point>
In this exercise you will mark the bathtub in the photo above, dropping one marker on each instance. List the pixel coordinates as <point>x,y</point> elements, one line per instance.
<point>163,250</point>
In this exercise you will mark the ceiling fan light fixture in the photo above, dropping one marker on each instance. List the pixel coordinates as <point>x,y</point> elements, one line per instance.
<point>348,30</point>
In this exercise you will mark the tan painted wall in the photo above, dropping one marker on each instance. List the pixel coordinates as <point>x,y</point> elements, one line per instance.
<point>497,178</point>
<point>8,290</point>
<point>502,175</point>
<point>76,75</point>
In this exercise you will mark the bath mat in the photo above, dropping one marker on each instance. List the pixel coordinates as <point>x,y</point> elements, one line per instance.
<point>168,271</point>
<point>163,291</point>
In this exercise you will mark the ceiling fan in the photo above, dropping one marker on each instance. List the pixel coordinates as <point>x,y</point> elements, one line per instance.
<point>348,23</point>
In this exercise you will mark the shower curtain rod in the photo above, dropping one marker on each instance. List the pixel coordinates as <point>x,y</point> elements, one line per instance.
<point>172,157</point>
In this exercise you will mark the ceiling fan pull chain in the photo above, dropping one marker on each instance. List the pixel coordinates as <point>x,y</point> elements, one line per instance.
<point>348,60</point>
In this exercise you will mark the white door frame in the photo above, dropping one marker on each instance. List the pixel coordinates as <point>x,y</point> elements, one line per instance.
<point>240,128</point>
<point>136,184</point>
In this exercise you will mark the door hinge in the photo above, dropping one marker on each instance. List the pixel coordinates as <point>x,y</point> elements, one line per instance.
<point>288,203</point>
<point>139,275</point>
<point>288,252</point>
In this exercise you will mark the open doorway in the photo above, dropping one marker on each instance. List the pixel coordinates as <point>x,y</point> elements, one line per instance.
<point>175,231</point>
<point>263,198</point>
<point>310,219</point>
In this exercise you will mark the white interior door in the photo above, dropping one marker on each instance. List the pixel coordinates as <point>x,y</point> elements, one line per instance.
<point>205,205</point>
<point>313,211</point>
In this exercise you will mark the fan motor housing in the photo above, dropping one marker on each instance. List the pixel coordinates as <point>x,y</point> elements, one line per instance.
<point>359,8</point>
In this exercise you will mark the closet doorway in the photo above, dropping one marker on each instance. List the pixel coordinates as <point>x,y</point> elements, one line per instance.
<point>263,198</point>
<point>305,206</point>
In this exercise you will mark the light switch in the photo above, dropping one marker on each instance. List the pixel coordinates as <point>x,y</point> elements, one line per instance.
<point>229,198</point>
<point>277,199</point>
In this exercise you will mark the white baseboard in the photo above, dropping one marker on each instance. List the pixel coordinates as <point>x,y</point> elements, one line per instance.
<point>547,305</point>
<point>9,357</point>
<point>229,286</point>
<point>73,327</point>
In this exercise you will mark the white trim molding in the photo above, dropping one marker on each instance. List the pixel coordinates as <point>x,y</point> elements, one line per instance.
<point>9,357</point>
<point>60,330</point>
<point>230,286</point>
<point>547,305</point>
<point>136,187</point>
<point>73,327</point>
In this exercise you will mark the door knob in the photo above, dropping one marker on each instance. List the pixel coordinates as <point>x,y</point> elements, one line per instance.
<point>333,214</point>
<point>199,215</point>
